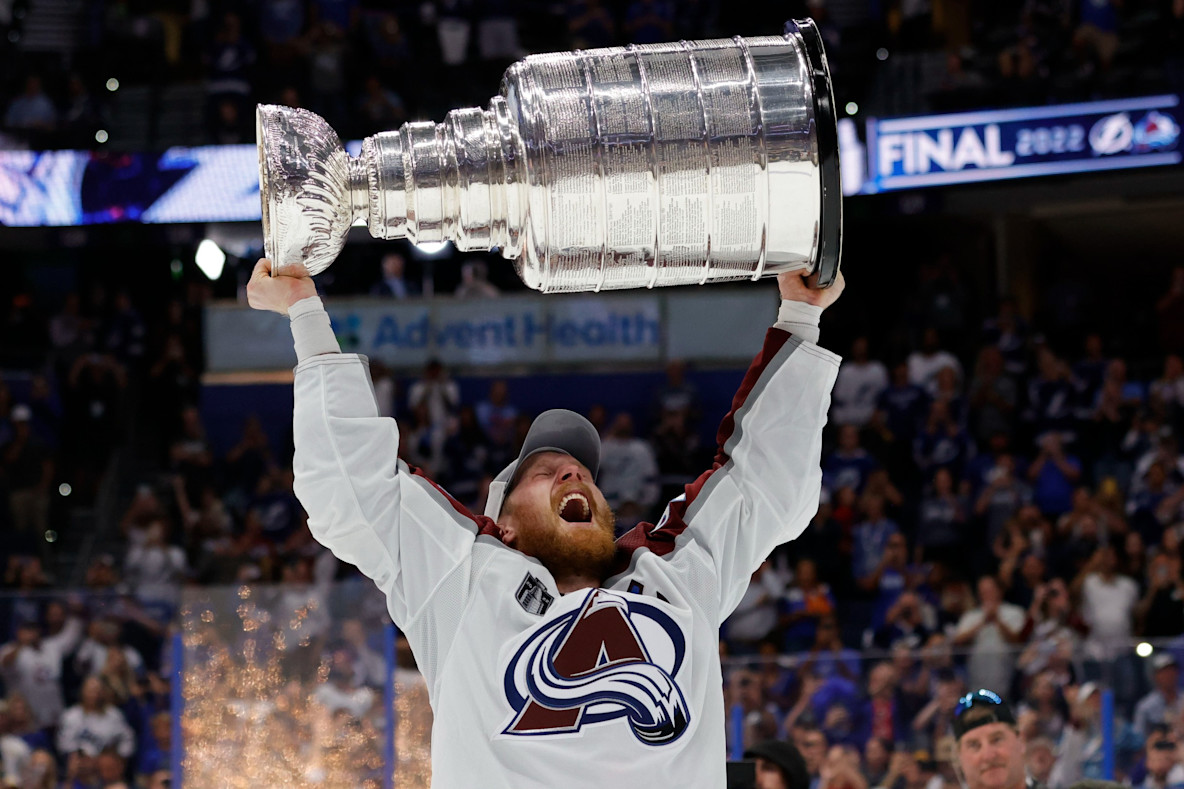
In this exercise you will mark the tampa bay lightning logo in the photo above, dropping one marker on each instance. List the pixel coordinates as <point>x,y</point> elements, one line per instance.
<point>611,658</point>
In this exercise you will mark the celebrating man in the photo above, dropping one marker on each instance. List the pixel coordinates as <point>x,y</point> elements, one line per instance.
<point>554,655</point>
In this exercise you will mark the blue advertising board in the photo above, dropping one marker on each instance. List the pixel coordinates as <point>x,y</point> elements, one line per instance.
<point>968,147</point>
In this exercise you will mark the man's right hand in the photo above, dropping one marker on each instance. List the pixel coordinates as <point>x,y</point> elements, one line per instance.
<point>277,294</point>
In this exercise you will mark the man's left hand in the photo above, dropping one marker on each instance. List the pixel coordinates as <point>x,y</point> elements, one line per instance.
<point>793,288</point>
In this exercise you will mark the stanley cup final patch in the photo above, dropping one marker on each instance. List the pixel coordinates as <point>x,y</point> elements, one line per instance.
<point>533,596</point>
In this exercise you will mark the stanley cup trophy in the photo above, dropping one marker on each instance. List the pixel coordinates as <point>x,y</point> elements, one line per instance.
<point>627,167</point>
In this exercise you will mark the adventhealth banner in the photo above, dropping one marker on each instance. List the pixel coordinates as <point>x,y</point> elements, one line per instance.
<point>646,327</point>
<point>940,150</point>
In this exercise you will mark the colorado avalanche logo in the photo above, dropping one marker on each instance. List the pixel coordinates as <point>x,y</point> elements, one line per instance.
<point>592,665</point>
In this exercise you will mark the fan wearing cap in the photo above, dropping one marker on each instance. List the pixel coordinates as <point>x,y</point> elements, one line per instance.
<point>1165,703</point>
<point>779,765</point>
<point>990,753</point>
<point>554,655</point>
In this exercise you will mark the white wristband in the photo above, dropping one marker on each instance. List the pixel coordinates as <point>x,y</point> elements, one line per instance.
<point>799,318</point>
<point>312,333</point>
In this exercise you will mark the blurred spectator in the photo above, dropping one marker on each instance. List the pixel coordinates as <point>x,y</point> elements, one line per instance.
<point>930,359</point>
<point>1002,497</point>
<point>993,396</point>
<point>779,765</point>
<point>881,718</point>
<point>1039,758</point>
<point>467,459</point>
<point>474,282</point>
<point>440,396</point>
<point>677,450</point>
<point>812,744</point>
<point>394,281</point>
<point>891,577</point>
<point>1042,709</point>
<point>1164,704</point>
<point>904,624</point>
<point>904,405</point>
<point>841,770</point>
<point>369,666</point>
<point>14,752</point>
<point>248,460</point>
<point>380,108</point>
<point>27,470</point>
<point>858,387</point>
<point>677,393</point>
<point>103,639</point>
<point>229,62</point>
<point>32,666</point>
<point>942,519</point>
<point>497,415</point>
<point>827,656</point>
<point>1053,475</point>
<point>755,618</point>
<point>1108,602</point>
<point>990,630</point>
<point>1081,754</point>
<point>805,603</point>
<point>871,538</point>
<point>190,454</point>
<point>942,442</point>
<point>1162,760</point>
<point>1096,36</point>
<point>628,473</point>
<point>1051,397</point>
<point>94,724</point>
<point>155,570</point>
<point>32,110</point>
<point>1161,611</point>
<point>849,465</point>
<point>497,31</point>
<point>41,771</point>
<point>123,333</point>
<point>1090,371</point>
<point>935,720</point>
<point>92,401</point>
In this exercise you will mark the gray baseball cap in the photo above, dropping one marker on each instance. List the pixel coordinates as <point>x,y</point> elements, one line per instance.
<point>557,430</point>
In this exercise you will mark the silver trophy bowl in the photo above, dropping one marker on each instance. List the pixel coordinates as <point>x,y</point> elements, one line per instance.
<point>639,166</point>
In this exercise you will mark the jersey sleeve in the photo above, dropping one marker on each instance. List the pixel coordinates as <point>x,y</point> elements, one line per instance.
<point>763,487</point>
<point>369,508</point>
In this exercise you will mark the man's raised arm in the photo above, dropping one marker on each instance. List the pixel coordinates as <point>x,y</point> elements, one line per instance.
<point>362,502</point>
<point>763,488</point>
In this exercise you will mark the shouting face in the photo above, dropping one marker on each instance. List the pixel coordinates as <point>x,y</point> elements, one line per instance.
<point>556,514</point>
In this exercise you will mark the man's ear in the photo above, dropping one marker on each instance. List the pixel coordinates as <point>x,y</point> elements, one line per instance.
<point>509,533</point>
<point>508,529</point>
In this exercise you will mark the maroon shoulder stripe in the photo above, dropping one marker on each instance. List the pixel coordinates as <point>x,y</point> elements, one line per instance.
<point>485,525</point>
<point>660,539</point>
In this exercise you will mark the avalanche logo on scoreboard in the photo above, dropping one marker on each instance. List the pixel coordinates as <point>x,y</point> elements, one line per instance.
<point>611,659</point>
<point>1157,131</point>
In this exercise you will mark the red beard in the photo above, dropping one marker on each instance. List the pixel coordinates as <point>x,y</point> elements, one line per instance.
<point>564,549</point>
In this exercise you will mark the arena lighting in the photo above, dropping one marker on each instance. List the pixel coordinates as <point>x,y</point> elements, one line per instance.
<point>1144,649</point>
<point>113,84</point>
<point>210,259</point>
<point>431,248</point>
<point>852,108</point>
<point>101,136</point>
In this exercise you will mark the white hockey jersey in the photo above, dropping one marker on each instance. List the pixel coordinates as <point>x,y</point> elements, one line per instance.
<point>612,687</point>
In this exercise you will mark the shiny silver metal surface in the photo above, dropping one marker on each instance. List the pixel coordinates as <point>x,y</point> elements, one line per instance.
<point>639,166</point>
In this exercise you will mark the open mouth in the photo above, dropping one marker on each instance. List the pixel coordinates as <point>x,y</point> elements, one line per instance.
<point>575,508</point>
